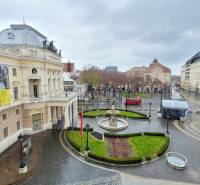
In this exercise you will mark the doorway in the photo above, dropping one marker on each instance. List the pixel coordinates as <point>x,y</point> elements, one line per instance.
<point>36,121</point>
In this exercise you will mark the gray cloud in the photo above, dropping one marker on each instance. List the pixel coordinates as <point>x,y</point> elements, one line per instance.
<point>124,33</point>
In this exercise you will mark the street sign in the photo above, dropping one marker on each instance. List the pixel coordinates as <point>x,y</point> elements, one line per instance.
<point>26,145</point>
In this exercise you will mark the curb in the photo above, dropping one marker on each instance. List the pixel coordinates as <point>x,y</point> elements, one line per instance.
<point>110,164</point>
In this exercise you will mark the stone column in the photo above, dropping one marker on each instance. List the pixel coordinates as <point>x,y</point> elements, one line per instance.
<point>67,122</point>
<point>48,114</point>
<point>59,113</point>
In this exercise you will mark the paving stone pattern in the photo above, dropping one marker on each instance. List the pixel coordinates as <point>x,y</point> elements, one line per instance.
<point>112,180</point>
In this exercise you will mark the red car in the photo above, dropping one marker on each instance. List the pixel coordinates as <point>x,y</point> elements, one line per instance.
<point>133,101</point>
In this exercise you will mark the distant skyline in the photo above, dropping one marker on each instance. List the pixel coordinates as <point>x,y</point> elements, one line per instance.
<point>119,33</point>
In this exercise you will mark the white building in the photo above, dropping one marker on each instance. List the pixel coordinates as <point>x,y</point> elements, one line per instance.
<point>32,97</point>
<point>190,74</point>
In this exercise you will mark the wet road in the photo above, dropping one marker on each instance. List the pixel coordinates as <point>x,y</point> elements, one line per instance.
<point>159,169</point>
<point>57,167</point>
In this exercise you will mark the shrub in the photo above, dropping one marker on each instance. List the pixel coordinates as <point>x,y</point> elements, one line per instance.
<point>164,148</point>
<point>148,158</point>
<point>154,134</point>
<point>135,160</point>
<point>111,135</point>
<point>78,128</point>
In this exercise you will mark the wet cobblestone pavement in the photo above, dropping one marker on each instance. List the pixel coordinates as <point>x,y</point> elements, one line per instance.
<point>57,167</point>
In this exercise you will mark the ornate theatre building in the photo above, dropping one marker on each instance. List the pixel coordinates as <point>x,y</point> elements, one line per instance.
<point>32,97</point>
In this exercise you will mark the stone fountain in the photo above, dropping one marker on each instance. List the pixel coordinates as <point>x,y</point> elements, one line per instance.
<point>113,123</point>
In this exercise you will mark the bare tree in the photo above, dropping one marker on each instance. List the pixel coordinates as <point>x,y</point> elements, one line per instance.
<point>91,75</point>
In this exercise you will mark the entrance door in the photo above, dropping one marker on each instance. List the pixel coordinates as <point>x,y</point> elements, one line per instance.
<point>36,121</point>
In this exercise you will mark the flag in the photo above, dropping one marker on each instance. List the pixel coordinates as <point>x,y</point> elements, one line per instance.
<point>72,116</point>
<point>81,124</point>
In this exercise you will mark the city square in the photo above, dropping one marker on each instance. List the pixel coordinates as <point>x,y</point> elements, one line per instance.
<point>77,109</point>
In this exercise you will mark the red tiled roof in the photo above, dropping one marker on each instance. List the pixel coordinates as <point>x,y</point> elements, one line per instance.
<point>156,63</point>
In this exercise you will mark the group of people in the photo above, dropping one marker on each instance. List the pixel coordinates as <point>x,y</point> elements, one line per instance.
<point>4,77</point>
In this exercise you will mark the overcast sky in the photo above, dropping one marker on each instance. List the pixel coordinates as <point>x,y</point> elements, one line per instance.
<point>125,33</point>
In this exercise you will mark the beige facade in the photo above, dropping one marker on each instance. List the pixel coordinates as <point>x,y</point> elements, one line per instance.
<point>190,75</point>
<point>37,99</point>
<point>154,72</point>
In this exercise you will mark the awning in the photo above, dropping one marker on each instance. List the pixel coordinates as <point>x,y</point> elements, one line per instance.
<point>175,104</point>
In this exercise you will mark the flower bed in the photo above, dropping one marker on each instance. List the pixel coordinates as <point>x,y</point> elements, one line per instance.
<point>120,149</point>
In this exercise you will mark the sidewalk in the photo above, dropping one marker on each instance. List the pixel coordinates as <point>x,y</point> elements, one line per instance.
<point>135,180</point>
<point>10,159</point>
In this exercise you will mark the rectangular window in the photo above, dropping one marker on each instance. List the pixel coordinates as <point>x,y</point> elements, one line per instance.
<point>18,125</point>
<point>14,71</point>
<point>33,53</point>
<point>16,97</point>
<point>5,132</point>
<point>54,84</point>
<point>4,116</point>
<point>17,111</point>
<point>58,83</point>
<point>49,85</point>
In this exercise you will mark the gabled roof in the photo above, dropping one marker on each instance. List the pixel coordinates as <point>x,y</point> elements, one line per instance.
<point>156,63</point>
<point>66,77</point>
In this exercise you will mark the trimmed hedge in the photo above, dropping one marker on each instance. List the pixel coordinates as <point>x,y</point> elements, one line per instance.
<point>111,135</point>
<point>78,128</point>
<point>164,148</point>
<point>154,133</point>
<point>134,160</point>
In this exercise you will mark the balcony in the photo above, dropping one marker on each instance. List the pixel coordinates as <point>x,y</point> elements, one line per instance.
<point>27,52</point>
<point>35,99</point>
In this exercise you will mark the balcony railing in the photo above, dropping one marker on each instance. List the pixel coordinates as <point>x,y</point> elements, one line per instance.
<point>35,100</point>
<point>27,52</point>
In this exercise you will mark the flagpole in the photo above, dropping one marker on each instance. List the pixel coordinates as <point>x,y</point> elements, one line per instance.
<point>81,127</point>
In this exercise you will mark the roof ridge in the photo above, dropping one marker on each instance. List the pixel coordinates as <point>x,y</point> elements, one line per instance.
<point>25,26</point>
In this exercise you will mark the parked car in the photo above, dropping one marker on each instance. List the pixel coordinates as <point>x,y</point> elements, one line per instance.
<point>133,101</point>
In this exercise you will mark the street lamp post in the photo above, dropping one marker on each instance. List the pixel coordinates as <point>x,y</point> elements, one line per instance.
<point>161,99</point>
<point>97,102</point>
<point>22,162</point>
<point>87,126</point>
<point>167,131</point>
<point>150,109</point>
<point>126,101</point>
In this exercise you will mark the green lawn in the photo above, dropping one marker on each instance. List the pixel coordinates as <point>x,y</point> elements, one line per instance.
<point>132,95</point>
<point>142,146</point>
<point>95,145</point>
<point>147,145</point>
<point>130,114</point>
<point>99,112</point>
<point>95,113</point>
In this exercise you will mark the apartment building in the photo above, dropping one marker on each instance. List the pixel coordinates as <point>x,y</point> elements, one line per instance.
<point>190,74</point>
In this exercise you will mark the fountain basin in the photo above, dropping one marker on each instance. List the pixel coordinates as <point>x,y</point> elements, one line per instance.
<point>120,124</point>
<point>114,112</point>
